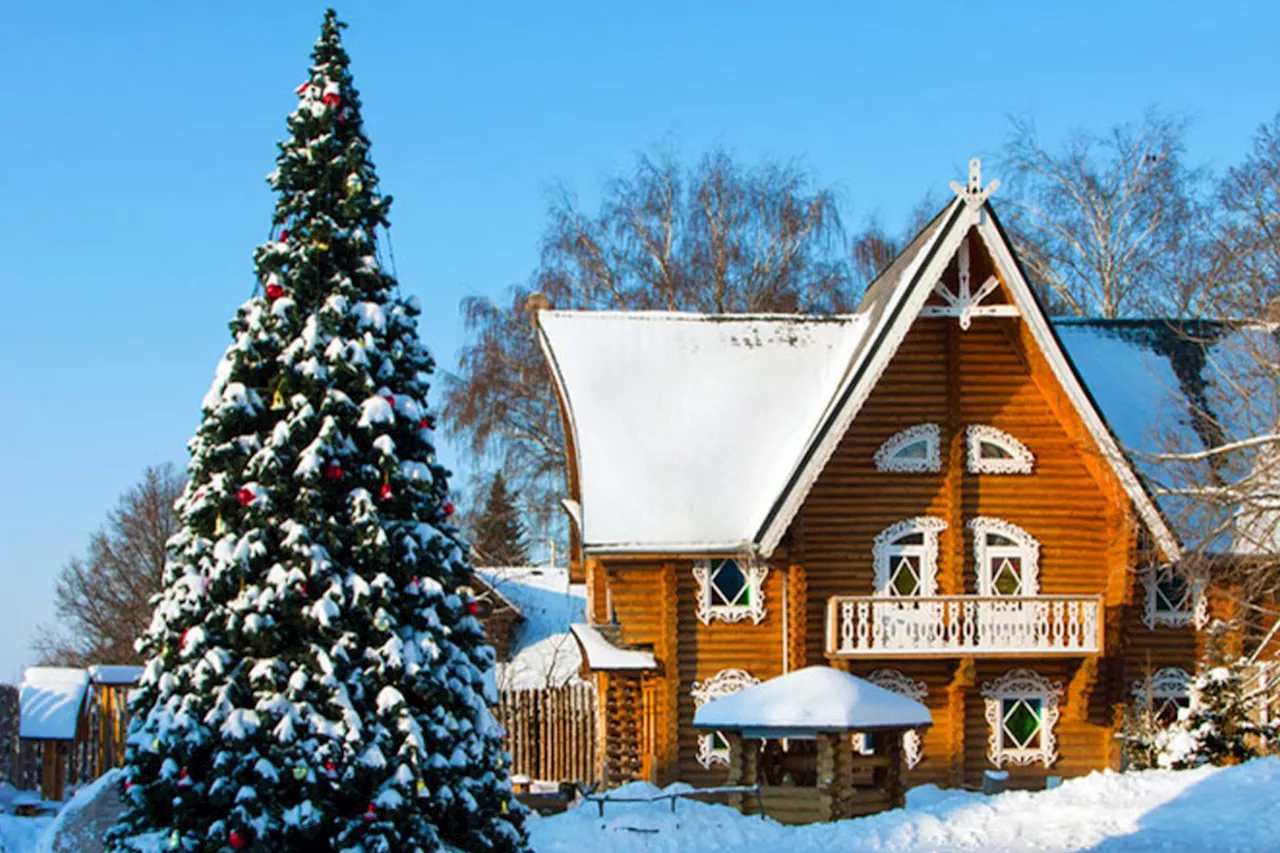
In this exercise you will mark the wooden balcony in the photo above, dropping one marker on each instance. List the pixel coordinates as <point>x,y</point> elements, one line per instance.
<point>962,625</point>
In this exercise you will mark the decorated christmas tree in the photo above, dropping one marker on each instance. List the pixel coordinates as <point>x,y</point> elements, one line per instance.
<point>316,677</point>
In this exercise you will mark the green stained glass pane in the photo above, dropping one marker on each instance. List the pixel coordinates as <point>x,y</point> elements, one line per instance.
<point>1006,581</point>
<point>718,742</point>
<point>905,581</point>
<point>1022,720</point>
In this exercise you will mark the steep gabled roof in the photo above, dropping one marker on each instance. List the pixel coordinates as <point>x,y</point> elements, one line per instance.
<point>705,434</point>
<point>687,425</point>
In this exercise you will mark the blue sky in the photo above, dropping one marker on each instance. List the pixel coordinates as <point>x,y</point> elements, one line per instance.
<point>136,137</point>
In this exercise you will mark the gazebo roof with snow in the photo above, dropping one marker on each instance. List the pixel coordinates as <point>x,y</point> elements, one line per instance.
<point>51,698</point>
<point>810,701</point>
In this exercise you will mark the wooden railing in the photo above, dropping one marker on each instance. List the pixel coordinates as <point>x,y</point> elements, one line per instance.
<point>880,626</point>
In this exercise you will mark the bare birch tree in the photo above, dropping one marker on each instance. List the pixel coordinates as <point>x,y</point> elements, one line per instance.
<point>1109,224</point>
<point>103,600</point>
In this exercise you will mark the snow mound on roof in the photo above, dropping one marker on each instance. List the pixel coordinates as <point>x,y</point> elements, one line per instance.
<point>816,698</point>
<point>687,425</point>
<point>115,674</point>
<point>543,652</point>
<point>1219,809</point>
<point>50,698</point>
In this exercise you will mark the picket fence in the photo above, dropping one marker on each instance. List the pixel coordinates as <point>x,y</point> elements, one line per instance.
<point>552,732</point>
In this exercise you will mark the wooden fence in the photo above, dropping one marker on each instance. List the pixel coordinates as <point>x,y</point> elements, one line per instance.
<point>551,732</point>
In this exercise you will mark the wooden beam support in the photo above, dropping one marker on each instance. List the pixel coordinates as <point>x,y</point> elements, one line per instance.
<point>964,678</point>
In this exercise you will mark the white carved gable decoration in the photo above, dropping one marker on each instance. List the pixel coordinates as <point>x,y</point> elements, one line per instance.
<point>711,747</point>
<point>967,303</point>
<point>994,451</point>
<point>730,589</point>
<point>914,450</point>
<point>919,559</point>
<point>1174,600</point>
<point>1012,701</point>
<point>902,684</point>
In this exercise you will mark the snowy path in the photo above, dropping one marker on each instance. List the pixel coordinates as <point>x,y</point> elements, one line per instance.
<point>1219,809</point>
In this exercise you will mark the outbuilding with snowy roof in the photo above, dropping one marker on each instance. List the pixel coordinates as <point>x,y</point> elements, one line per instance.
<point>794,737</point>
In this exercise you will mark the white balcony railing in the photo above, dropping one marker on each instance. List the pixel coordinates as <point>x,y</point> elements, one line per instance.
<point>878,626</point>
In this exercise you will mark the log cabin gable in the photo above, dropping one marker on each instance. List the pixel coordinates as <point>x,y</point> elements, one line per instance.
<point>962,266</point>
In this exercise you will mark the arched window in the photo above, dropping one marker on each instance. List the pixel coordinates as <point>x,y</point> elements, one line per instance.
<point>1174,599</point>
<point>713,748</point>
<point>906,557</point>
<point>1021,710</point>
<point>994,451</point>
<point>914,450</point>
<point>1164,694</point>
<point>730,590</point>
<point>1006,556</point>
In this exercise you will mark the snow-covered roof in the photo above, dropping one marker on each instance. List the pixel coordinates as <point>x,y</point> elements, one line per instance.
<point>686,426</point>
<point>543,651</point>
<point>604,655</point>
<point>811,700</point>
<point>51,698</point>
<point>115,675</point>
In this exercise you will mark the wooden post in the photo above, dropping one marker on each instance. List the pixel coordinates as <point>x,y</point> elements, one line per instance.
<point>964,678</point>
<point>736,766</point>
<point>893,785</point>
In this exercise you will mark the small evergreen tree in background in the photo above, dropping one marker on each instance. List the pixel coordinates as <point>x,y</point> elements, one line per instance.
<point>316,679</point>
<point>1219,726</point>
<point>499,538</point>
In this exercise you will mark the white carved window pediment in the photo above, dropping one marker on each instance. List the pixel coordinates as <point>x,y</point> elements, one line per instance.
<point>899,682</point>
<point>1173,600</point>
<point>712,747</point>
<point>1021,712</point>
<point>906,557</point>
<point>1007,558</point>
<point>914,450</point>
<point>993,451</point>
<point>730,589</point>
<point>1168,691</point>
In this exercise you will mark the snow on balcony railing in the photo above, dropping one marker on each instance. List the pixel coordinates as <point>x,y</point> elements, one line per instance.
<point>963,625</point>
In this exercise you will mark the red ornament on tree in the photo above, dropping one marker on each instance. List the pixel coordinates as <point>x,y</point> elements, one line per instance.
<point>333,471</point>
<point>274,291</point>
<point>127,784</point>
<point>184,642</point>
<point>391,400</point>
<point>302,90</point>
<point>330,768</point>
<point>236,840</point>
<point>184,781</point>
<point>331,100</point>
<point>284,235</point>
<point>473,607</point>
<point>385,492</point>
<point>448,507</point>
<point>245,496</point>
<point>371,813</point>
<point>427,423</point>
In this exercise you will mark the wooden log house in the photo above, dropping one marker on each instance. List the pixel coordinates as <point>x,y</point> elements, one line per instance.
<point>925,493</point>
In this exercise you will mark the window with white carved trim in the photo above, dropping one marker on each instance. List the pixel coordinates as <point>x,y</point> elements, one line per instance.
<point>1021,711</point>
<point>730,589</point>
<point>914,450</point>
<point>1164,694</point>
<point>1174,599</point>
<point>1006,556</point>
<point>994,451</point>
<point>906,557</point>
<point>713,748</point>
<point>902,684</point>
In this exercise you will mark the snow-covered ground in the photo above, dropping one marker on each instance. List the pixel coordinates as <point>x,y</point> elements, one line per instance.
<point>1218,809</point>
<point>1226,810</point>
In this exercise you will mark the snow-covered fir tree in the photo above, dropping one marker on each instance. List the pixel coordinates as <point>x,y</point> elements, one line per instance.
<point>1220,725</point>
<point>316,677</point>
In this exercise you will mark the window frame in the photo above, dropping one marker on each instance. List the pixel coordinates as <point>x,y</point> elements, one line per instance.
<point>1026,547</point>
<point>1019,461</point>
<point>1022,685</point>
<point>884,549</point>
<point>753,572</point>
<point>897,681</point>
<point>1192,610</point>
<point>887,454</point>
<point>1171,684</point>
<point>726,682</point>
